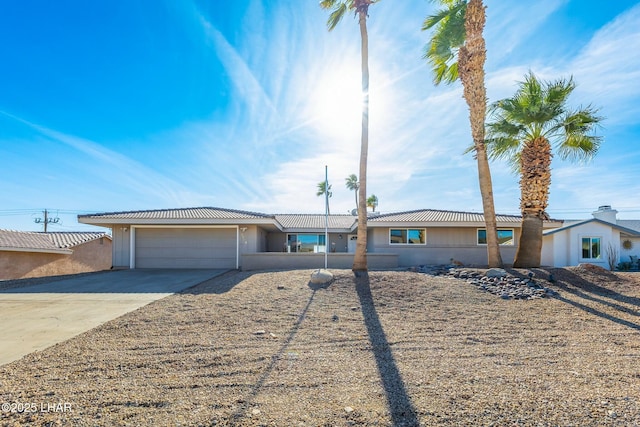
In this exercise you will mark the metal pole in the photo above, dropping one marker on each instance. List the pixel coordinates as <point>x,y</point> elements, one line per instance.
<point>326,216</point>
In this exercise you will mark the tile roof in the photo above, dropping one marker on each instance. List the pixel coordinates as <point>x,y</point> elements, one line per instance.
<point>38,241</point>
<point>290,221</point>
<point>431,215</point>
<point>183,213</point>
<point>633,224</point>
<point>295,221</point>
<point>619,225</point>
<point>69,239</point>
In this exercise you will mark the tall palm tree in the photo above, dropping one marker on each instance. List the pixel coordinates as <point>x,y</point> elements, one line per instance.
<point>457,50</point>
<point>361,8</point>
<point>372,201</point>
<point>353,185</point>
<point>324,189</point>
<point>523,129</point>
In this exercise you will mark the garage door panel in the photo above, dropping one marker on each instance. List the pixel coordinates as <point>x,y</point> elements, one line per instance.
<point>185,248</point>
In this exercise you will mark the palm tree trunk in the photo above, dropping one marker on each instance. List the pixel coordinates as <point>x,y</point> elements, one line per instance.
<point>471,59</point>
<point>360,257</point>
<point>535,171</point>
<point>494,257</point>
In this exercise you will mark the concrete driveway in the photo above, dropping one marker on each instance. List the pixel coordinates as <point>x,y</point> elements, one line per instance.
<point>36,317</point>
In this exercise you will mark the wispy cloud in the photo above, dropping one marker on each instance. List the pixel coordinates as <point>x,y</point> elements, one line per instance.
<point>608,68</point>
<point>506,28</point>
<point>117,169</point>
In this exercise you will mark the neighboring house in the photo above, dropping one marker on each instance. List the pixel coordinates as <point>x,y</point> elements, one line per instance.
<point>26,254</point>
<point>592,241</point>
<point>224,238</point>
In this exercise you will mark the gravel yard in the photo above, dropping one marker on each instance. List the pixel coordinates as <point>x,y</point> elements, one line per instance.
<point>401,348</point>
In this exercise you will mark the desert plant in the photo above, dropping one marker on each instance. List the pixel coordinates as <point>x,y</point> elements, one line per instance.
<point>522,130</point>
<point>612,256</point>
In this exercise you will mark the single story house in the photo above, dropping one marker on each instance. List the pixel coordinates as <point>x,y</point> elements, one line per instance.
<point>26,254</point>
<point>602,240</point>
<point>210,237</point>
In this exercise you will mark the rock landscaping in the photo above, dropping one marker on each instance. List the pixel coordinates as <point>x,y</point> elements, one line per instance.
<point>496,281</point>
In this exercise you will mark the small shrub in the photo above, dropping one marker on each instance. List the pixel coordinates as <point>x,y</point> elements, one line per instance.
<point>624,266</point>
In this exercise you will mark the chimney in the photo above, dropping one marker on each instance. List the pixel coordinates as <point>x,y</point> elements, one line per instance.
<point>605,213</point>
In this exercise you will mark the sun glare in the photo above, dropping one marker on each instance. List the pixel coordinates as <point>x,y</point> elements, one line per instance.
<point>336,105</point>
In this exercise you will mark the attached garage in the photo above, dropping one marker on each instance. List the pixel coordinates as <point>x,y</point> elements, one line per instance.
<point>185,247</point>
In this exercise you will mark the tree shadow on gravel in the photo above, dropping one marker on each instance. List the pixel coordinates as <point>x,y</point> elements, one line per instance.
<point>565,276</point>
<point>219,284</point>
<point>402,410</point>
<point>571,283</point>
<point>259,385</point>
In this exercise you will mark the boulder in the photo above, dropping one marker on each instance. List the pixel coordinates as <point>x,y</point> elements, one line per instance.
<point>496,272</point>
<point>321,277</point>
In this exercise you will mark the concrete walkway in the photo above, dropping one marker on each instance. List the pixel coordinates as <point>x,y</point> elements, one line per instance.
<point>36,317</point>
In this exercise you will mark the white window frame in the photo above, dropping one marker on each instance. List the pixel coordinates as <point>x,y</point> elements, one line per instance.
<point>591,238</point>
<point>513,236</point>
<point>407,229</point>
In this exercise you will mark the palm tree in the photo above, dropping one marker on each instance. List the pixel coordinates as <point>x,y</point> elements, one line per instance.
<point>361,8</point>
<point>457,50</point>
<point>353,185</point>
<point>324,189</point>
<point>372,201</point>
<point>522,129</point>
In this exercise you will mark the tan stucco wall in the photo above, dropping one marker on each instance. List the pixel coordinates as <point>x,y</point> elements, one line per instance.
<point>90,256</point>
<point>443,244</point>
<point>280,260</point>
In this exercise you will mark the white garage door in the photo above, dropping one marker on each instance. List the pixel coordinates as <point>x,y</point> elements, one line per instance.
<point>185,248</point>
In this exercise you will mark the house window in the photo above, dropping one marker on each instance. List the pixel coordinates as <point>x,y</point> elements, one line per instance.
<point>407,236</point>
<point>306,242</point>
<point>591,248</point>
<point>505,236</point>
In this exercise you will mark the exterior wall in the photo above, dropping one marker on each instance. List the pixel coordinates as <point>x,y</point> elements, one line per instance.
<point>626,253</point>
<point>87,257</point>
<point>443,244</point>
<point>276,242</point>
<point>546,256</point>
<point>567,245</point>
<point>252,239</point>
<point>121,246</point>
<point>280,260</point>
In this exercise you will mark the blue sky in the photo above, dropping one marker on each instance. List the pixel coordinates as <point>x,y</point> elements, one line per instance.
<point>148,104</point>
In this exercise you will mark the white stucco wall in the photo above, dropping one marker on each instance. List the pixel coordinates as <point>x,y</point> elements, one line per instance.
<point>634,250</point>
<point>564,248</point>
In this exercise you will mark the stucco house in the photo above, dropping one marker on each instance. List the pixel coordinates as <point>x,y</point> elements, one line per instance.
<point>593,241</point>
<point>210,237</point>
<point>26,254</point>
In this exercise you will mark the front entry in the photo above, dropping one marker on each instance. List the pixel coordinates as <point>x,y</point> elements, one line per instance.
<point>351,244</point>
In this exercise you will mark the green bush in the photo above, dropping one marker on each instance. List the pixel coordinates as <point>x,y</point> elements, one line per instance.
<point>624,266</point>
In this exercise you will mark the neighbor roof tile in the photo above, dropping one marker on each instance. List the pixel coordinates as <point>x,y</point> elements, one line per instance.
<point>46,241</point>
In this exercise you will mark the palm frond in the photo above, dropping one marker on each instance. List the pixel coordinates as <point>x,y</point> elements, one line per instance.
<point>433,20</point>
<point>539,109</point>
<point>578,126</point>
<point>327,4</point>
<point>449,34</point>
<point>579,147</point>
<point>504,148</point>
<point>336,15</point>
<point>558,92</point>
